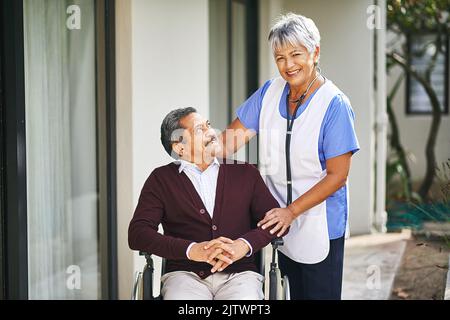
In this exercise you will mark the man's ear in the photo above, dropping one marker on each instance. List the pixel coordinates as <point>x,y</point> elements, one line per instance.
<point>177,147</point>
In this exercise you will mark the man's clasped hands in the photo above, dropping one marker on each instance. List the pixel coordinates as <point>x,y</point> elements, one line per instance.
<point>219,252</point>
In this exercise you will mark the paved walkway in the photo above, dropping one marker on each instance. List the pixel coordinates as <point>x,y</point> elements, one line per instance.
<point>370,264</point>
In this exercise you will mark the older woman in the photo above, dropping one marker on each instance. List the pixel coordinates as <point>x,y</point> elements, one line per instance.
<point>306,140</point>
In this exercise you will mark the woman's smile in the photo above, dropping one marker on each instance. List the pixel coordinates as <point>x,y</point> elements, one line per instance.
<point>293,73</point>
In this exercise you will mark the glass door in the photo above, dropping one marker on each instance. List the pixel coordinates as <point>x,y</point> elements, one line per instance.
<point>67,207</point>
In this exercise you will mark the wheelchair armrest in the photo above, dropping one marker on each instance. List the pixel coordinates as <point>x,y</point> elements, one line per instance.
<point>277,242</point>
<point>148,257</point>
<point>143,282</point>
<point>147,276</point>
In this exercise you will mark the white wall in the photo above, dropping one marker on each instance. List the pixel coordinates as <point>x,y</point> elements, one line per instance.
<point>346,59</point>
<point>162,64</point>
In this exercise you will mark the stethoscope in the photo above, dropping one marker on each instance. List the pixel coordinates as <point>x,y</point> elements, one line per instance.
<point>289,126</point>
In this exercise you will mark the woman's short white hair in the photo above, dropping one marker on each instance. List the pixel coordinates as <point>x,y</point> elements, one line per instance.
<point>294,29</point>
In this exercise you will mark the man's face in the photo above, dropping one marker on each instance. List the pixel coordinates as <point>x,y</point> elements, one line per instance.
<point>200,142</point>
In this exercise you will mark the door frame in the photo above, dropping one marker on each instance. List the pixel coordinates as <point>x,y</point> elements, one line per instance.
<point>252,49</point>
<point>14,195</point>
<point>252,63</point>
<point>106,120</point>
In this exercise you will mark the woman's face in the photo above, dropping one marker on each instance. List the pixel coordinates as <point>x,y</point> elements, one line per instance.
<point>295,64</point>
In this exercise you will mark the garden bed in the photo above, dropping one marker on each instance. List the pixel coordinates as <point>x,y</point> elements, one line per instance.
<point>423,271</point>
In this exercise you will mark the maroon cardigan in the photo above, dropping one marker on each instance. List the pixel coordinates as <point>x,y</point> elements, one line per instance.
<point>168,197</point>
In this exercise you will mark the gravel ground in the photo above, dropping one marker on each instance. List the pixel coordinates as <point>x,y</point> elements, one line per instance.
<point>423,271</point>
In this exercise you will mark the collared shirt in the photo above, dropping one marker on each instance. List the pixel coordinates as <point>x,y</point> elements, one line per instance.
<point>205,183</point>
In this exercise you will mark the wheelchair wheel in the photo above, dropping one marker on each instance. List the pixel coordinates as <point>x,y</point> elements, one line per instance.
<point>279,288</point>
<point>282,292</point>
<point>286,288</point>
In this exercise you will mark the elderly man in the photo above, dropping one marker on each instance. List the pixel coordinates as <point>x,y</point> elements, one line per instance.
<point>208,210</point>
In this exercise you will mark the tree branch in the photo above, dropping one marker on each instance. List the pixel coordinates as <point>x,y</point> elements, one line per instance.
<point>436,110</point>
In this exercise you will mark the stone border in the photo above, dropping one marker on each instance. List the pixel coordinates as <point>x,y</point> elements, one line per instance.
<point>447,286</point>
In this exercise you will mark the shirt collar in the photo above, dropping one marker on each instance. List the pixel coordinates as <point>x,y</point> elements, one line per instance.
<point>185,164</point>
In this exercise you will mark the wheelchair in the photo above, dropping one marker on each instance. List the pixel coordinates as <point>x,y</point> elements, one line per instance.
<point>278,285</point>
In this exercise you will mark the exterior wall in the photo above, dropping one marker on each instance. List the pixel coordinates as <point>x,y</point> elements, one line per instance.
<point>163,66</point>
<point>346,59</point>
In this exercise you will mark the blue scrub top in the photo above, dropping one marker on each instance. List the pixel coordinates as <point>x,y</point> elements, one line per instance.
<point>337,137</point>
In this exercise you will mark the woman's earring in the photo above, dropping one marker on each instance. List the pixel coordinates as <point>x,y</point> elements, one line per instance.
<point>319,70</point>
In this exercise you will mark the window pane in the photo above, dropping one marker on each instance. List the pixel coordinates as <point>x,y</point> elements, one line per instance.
<point>422,49</point>
<point>62,192</point>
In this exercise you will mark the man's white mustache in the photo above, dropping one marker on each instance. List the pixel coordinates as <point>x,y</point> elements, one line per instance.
<point>213,139</point>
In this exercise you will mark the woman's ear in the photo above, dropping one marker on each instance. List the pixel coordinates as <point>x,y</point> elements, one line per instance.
<point>316,56</point>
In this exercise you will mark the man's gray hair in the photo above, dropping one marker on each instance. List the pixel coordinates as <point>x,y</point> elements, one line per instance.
<point>170,128</point>
<point>294,29</point>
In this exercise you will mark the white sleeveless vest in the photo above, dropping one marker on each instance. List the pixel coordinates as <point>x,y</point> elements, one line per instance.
<point>307,240</point>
